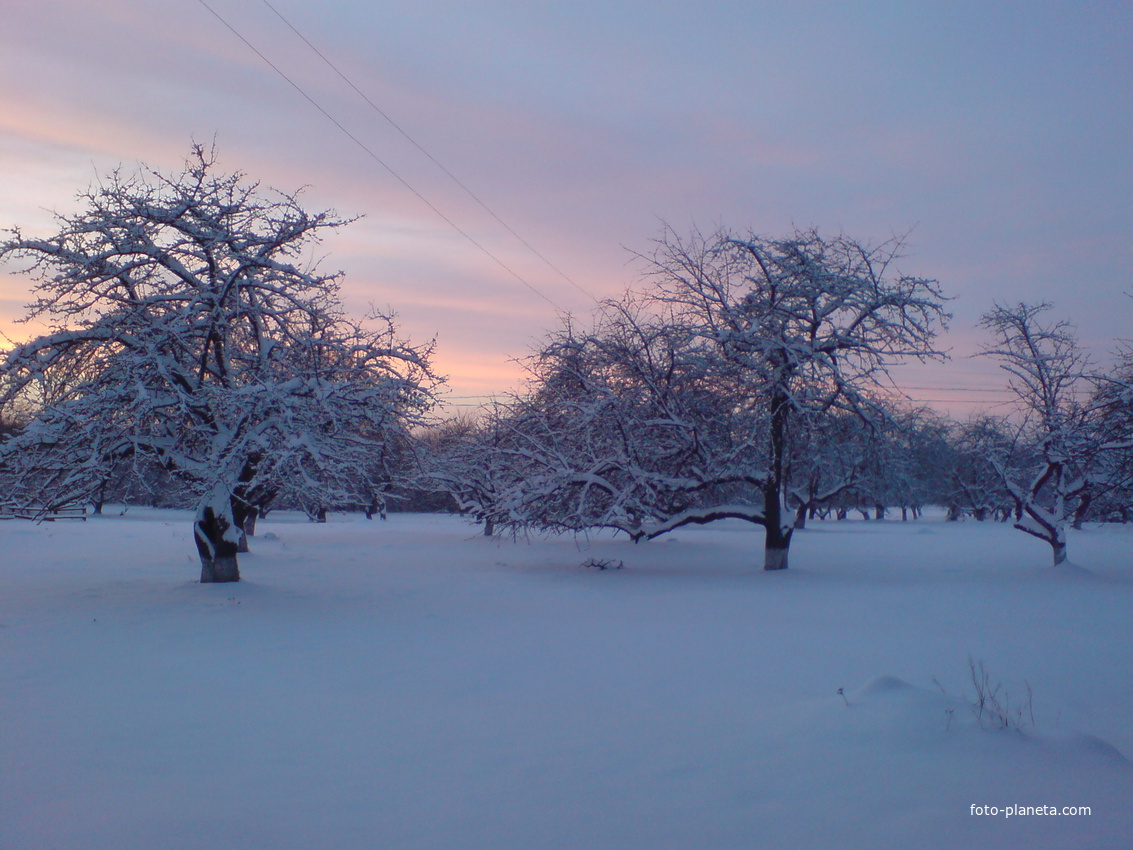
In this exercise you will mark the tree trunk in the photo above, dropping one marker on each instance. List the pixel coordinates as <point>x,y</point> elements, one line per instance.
<point>246,522</point>
<point>904,513</point>
<point>217,541</point>
<point>776,544</point>
<point>775,558</point>
<point>100,499</point>
<point>800,517</point>
<point>243,511</point>
<point>1082,511</point>
<point>1059,552</point>
<point>778,539</point>
<point>374,508</point>
<point>489,527</point>
<point>879,511</point>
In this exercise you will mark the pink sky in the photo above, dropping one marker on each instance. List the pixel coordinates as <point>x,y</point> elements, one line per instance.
<point>998,134</point>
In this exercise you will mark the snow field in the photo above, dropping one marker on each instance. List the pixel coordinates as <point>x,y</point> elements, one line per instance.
<point>409,684</point>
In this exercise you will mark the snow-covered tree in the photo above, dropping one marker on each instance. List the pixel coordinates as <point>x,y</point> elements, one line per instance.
<point>1052,380</point>
<point>472,460</point>
<point>685,402</point>
<point>190,330</point>
<point>918,453</point>
<point>1113,401</point>
<point>835,460</point>
<point>620,429</point>
<point>985,451</point>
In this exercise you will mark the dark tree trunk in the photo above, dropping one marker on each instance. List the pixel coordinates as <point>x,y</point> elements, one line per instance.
<point>879,511</point>
<point>99,500</point>
<point>904,513</point>
<point>489,527</point>
<point>980,514</point>
<point>321,515</point>
<point>216,545</point>
<point>247,526</point>
<point>1082,511</point>
<point>842,513</point>
<point>243,510</point>
<point>800,517</point>
<point>777,541</point>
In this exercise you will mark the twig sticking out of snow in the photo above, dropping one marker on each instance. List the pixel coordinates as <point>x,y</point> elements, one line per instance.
<point>993,704</point>
<point>595,563</point>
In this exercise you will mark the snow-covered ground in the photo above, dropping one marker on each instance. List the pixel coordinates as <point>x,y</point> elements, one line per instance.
<point>409,684</point>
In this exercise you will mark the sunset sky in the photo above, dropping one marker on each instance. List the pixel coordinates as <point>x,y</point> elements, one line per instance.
<point>998,136</point>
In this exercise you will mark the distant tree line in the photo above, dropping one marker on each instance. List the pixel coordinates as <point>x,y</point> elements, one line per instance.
<point>750,380</point>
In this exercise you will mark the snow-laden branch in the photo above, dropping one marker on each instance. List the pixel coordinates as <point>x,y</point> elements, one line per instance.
<point>187,337</point>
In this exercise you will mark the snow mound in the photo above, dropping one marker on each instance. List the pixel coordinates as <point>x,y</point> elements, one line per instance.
<point>1086,747</point>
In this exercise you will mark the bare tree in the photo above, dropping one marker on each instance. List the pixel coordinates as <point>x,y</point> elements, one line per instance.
<point>190,337</point>
<point>1114,403</point>
<point>917,455</point>
<point>1052,380</point>
<point>474,462</point>
<point>834,458</point>
<point>684,403</point>
<point>985,450</point>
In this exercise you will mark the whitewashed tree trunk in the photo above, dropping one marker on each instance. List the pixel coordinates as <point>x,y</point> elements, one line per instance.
<point>218,540</point>
<point>775,558</point>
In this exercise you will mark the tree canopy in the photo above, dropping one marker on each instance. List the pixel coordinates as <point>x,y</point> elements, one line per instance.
<point>189,330</point>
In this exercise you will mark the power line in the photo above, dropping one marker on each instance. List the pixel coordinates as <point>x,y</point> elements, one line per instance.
<point>964,401</point>
<point>428,155</point>
<point>959,389</point>
<point>378,159</point>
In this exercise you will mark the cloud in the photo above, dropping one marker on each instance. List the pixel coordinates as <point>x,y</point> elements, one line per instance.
<point>584,125</point>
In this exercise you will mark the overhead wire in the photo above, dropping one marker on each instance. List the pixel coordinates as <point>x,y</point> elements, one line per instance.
<point>464,187</point>
<point>378,159</point>
<point>342,75</point>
